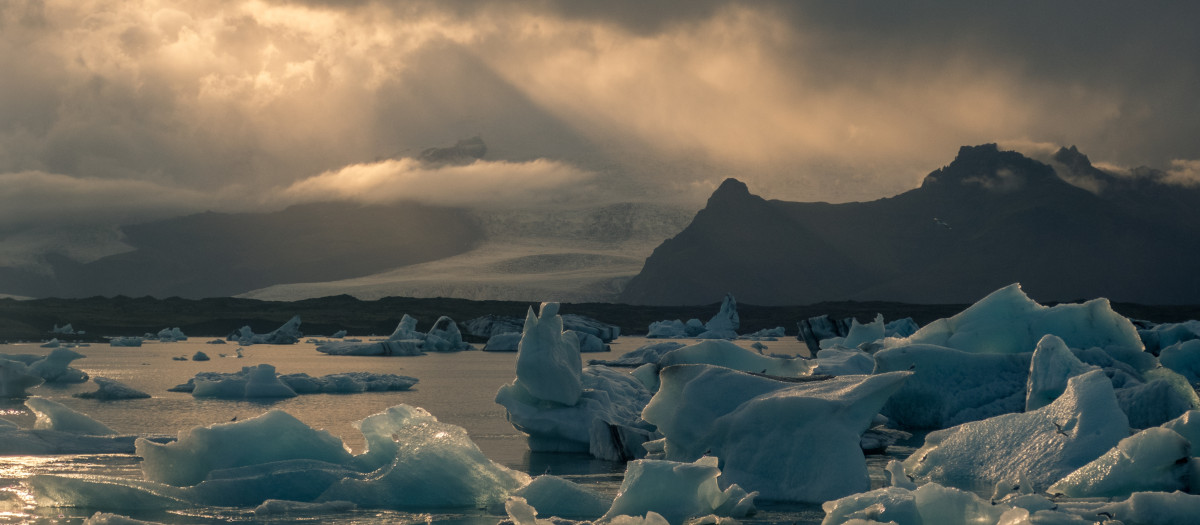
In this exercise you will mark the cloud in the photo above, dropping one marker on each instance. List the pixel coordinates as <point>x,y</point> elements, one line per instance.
<point>804,101</point>
<point>1184,172</point>
<point>477,184</point>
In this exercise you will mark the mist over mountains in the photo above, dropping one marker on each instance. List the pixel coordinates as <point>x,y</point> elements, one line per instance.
<point>1064,228</point>
<point>988,219</point>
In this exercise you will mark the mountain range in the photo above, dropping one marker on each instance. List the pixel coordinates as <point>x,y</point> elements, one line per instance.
<point>988,219</point>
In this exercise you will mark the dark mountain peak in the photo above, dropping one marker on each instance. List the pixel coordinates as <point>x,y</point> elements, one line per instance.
<point>731,192</point>
<point>988,167</point>
<point>1073,158</point>
<point>732,186</point>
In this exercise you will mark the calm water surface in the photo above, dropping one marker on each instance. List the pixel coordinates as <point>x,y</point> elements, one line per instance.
<point>456,388</point>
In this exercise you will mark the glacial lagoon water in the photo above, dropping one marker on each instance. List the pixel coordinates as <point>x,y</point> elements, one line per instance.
<point>457,388</point>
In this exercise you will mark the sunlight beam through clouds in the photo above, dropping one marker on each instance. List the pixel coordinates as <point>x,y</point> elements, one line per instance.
<point>201,100</point>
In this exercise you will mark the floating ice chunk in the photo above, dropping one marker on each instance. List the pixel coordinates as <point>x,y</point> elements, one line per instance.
<point>338,334</point>
<point>1188,426</point>
<point>1052,365</point>
<point>678,491</point>
<point>897,477</point>
<point>54,416</point>
<point>549,366</point>
<point>725,324</point>
<point>102,518</point>
<point>171,335</point>
<point>234,385</point>
<point>444,336</point>
<point>1164,396</point>
<point>520,512</point>
<point>1168,334</point>
<point>730,355</point>
<point>200,356</point>
<point>703,409</point>
<point>276,507</point>
<point>588,342</point>
<point>112,390</point>
<point>1045,444</point>
<point>406,330</point>
<point>1007,321</point>
<point>16,377</point>
<point>649,353</point>
<point>605,332</point>
<point>858,334</point>
<point>402,347</point>
<point>889,504</point>
<point>55,367</point>
<point>766,334</point>
<point>1183,358</point>
<point>53,343</point>
<point>949,386</point>
<point>273,436</point>
<point>842,362</point>
<point>506,342</point>
<point>666,330</point>
<point>287,334</point>
<point>254,382</point>
<point>555,496</point>
<point>132,341</point>
<point>1155,508</point>
<point>66,329</point>
<point>433,465</point>
<point>1155,459</point>
<point>605,422</point>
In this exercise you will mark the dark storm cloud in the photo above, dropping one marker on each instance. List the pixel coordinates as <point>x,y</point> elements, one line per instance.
<point>204,104</point>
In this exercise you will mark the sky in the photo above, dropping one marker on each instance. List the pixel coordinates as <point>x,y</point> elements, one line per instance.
<point>130,110</point>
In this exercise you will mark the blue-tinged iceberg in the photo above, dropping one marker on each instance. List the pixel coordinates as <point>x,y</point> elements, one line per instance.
<point>709,410</point>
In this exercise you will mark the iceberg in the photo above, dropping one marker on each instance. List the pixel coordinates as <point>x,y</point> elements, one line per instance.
<point>412,461</point>
<point>950,386</point>
<point>555,496</point>
<point>66,329</point>
<point>170,335</point>
<point>429,464</point>
<point>1154,508</point>
<point>54,416</point>
<point>1164,395</point>
<point>645,354</point>
<point>403,347</point>
<point>1155,459</point>
<point>444,336</point>
<point>729,355</point>
<point>725,324</point>
<point>253,382</point>
<point>709,410</point>
<point>678,491</point>
<point>111,390</point>
<point>55,367</point>
<point>132,341</point>
<point>505,342</point>
<point>1008,322</point>
<point>16,377</point>
<point>933,503</point>
<point>272,437</point>
<point>287,334</point>
<point>200,356</point>
<point>563,407</point>
<point>858,334</point>
<point>843,361</point>
<point>1184,359</point>
<point>262,382</point>
<point>1044,445</point>
<point>1159,337</point>
<point>492,325</point>
<point>549,366</point>
<point>1050,368</point>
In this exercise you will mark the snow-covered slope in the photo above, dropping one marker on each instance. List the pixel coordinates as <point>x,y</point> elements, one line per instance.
<point>557,255</point>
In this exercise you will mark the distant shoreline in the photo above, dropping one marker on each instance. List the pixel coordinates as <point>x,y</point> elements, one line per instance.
<point>216,317</point>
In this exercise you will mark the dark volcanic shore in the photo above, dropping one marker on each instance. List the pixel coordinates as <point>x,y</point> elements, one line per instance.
<point>217,317</point>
